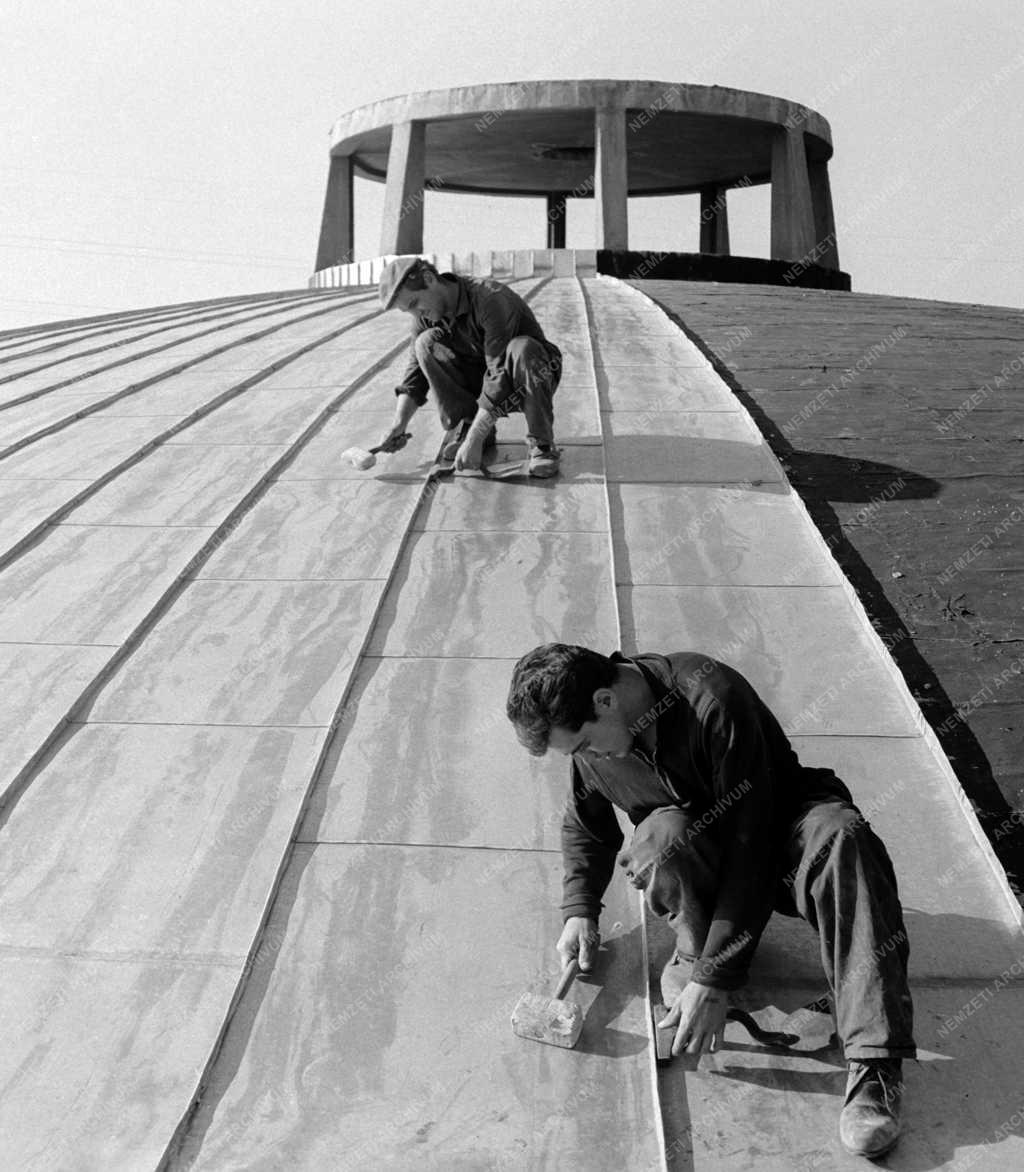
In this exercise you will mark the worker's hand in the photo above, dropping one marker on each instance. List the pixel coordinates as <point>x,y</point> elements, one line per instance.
<point>470,456</point>
<point>393,439</point>
<point>699,1018</point>
<point>581,938</point>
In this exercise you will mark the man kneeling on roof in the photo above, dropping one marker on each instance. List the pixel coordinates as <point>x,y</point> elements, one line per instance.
<point>728,825</point>
<point>477,345</point>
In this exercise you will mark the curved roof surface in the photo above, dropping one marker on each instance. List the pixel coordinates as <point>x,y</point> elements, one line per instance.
<point>262,812</point>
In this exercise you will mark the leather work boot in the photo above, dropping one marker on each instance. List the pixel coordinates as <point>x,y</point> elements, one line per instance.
<point>870,1121</point>
<point>543,460</point>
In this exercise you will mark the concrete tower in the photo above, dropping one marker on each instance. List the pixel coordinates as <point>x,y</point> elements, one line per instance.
<point>599,140</point>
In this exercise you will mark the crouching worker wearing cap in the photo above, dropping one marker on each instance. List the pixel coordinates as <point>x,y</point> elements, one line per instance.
<point>478,347</point>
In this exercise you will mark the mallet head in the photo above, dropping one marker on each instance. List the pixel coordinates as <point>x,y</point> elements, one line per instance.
<point>547,1019</point>
<point>359,458</point>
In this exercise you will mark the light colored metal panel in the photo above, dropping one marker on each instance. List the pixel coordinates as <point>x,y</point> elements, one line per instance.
<point>158,841</point>
<point>92,585</point>
<point>245,653</point>
<point>948,883</point>
<point>497,594</point>
<point>425,754</point>
<point>238,355</point>
<point>177,485</point>
<point>41,683</point>
<point>645,387</point>
<point>178,394</point>
<point>699,535</point>
<point>576,416</point>
<point>87,449</point>
<point>803,647</point>
<point>263,414</point>
<point>750,1107</point>
<point>25,419</point>
<point>686,447</point>
<point>102,1056</point>
<point>513,501</point>
<point>24,504</point>
<point>340,362</point>
<point>105,382</point>
<point>629,348</point>
<point>377,393</point>
<point>380,1038</point>
<point>319,529</point>
<point>320,459</point>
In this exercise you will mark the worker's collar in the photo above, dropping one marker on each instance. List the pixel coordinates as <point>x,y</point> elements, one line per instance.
<point>645,727</point>
<point>461,303</point>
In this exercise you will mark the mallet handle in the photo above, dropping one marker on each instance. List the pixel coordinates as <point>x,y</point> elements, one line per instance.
<point>400,440</point>
<point>567,978</point>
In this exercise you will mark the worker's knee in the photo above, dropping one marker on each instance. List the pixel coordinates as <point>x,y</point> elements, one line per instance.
<point>672,860</point>
<point>430,344</point>
<point>528,355</point>
<point>525,349</point>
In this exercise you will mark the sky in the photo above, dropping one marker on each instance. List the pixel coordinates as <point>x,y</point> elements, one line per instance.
<point>157,153</point>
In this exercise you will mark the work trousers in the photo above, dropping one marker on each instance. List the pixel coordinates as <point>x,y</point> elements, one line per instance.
<point>835,872</point>
<point>531,368</point>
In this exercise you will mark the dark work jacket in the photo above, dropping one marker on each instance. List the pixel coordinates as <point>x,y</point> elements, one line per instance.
<point>721,755</point>
<point>488,315</point>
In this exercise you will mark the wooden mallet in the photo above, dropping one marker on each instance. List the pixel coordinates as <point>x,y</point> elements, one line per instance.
<point>550,1019</point>
<point>364,458</point>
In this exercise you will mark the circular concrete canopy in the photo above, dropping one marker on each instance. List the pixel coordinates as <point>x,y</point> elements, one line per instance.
<point>537,137</point>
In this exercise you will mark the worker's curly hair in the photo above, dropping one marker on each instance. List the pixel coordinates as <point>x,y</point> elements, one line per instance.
<point>553,686</point>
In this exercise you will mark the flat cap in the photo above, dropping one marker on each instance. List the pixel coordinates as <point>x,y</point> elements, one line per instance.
<point>393,276</point>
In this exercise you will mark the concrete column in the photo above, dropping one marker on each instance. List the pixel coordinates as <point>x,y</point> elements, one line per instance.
<point>402,229</point>
<point>824,219</point>
<point>792,216</point>
<point>611,177</point>
<point>556,220</point>
<point>714,220</point>
<point>336,226</point>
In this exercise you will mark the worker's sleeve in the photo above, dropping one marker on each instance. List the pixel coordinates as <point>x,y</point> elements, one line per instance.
<point>744,801</point>
<point>500,321</point>
<point>414,381</point>
<point>591,839</point>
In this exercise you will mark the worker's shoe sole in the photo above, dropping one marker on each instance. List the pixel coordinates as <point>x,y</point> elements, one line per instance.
<point>544,461</point>
<point>869,1124</point>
